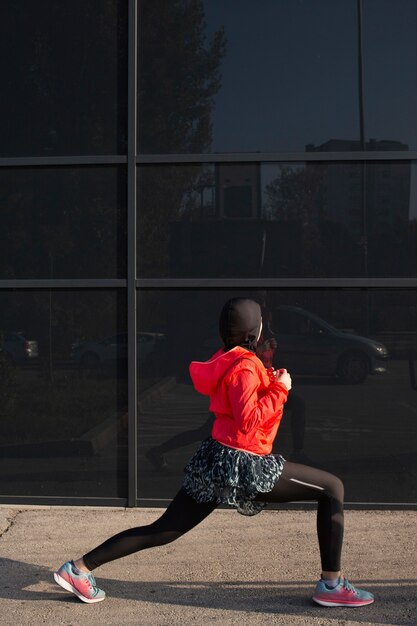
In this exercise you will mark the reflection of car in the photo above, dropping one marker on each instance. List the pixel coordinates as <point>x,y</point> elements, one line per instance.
<point>309,345</point>
<point>108,351</point>
<point>17,348</point>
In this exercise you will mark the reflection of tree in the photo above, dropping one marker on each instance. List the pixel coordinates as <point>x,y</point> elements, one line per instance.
<point>296,198</point>
<point>321,204</point>
<point>294,195</point>
<point>178,76</point>
<point>167,194</point>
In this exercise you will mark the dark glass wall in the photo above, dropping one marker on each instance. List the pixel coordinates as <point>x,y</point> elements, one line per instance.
<point>158,157</point>
<point>298,186</point>
<point>390,64</point>
<point>63,396</point>
<point>288,219</point>
<point>276,76</point>
<point>247,76</point>
<point>63,251</point>
<point>67,222</point>
<point>64,78</point>
<point>351,410</point>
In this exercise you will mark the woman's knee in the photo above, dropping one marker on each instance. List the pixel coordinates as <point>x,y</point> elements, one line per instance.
<point>162,535</point>
<point>335,488</point>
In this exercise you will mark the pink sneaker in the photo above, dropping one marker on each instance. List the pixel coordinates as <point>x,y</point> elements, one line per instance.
<point>344,594</point>
<point>83,585</point>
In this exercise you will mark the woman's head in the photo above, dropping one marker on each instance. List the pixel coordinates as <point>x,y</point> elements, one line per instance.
<point>240,323</point>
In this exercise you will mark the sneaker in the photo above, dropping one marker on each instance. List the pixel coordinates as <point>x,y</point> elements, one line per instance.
<point>344,594</point>
<point>83,585</point>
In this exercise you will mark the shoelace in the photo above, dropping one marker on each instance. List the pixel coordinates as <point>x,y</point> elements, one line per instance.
<point>348,586</point>
<point>91,580</point>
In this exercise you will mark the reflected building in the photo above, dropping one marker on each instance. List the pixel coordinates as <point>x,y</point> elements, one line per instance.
<point>238,191</point>
<point>364,196</point>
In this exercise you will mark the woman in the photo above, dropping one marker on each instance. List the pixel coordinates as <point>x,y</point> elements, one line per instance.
<point>235,466</point>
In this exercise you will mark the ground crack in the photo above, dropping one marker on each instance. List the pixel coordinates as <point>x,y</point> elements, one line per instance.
<point>11,520</point>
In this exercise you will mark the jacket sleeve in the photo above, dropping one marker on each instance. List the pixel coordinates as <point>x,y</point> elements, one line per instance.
<point>248,411</point>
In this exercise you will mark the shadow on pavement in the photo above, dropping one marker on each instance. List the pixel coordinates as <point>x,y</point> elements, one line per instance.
<point>394,604</point>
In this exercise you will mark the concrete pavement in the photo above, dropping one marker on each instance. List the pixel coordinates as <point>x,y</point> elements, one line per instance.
<point>229,570</point>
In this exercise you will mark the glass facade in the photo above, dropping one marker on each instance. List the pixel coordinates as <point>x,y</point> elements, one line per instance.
<point>390,65</point>
<point>160,157</point>
<point>67,222</point>
<point>243,76</point>
<point>64,78</point>
<point>268,220</point>
<point>352,407</point>
<point>63,393</point>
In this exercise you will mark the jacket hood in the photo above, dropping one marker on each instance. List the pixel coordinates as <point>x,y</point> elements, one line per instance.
<point>240,323</point>
<point>206,374</point>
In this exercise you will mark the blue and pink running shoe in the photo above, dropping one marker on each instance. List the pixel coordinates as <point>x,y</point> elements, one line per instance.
<point>83,585</point>
<point>344,594</point>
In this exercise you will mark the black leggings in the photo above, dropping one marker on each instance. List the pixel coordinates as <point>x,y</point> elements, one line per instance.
<point>297,483</point>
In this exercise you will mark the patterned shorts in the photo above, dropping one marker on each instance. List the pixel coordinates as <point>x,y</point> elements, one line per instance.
<point>230,476</point>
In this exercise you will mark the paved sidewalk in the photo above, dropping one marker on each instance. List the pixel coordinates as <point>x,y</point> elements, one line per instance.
<point>229,570</point>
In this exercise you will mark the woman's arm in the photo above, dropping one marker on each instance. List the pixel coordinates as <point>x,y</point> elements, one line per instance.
<point>248,409</point>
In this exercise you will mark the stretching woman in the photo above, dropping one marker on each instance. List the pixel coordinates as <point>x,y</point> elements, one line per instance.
<point>235,466</point>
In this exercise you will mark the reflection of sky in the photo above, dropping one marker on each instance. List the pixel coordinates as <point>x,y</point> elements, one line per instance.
<point>390,60</point>
<point>289,76</point>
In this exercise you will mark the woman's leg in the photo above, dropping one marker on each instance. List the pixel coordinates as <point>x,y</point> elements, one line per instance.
<point>300,483</point>
<point>183,514</point>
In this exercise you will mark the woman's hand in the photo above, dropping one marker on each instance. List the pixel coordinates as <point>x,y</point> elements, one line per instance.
<point>282,376</point>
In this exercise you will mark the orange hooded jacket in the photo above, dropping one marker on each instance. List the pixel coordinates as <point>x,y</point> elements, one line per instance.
<point>247,401</point>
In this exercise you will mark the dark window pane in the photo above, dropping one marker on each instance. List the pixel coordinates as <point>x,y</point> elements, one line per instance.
<point>63,222</point>
<point>390,70</point>
<point>63,398</point>
<point>352,355</point>
<point>64,77</point>
<point>247,76</point>
<point>327,219</point>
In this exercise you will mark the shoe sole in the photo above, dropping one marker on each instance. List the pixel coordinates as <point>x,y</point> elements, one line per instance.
<point>68,587</point>
<point>349,604</point>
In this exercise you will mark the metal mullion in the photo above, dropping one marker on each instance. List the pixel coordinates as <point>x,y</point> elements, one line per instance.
<point>34,500</point>
<point>302,505</point>
<point>269,157</point>
<point>65,283</point>
<point>276,283</point>
<point>63,160</point>
<point>131,255</point>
